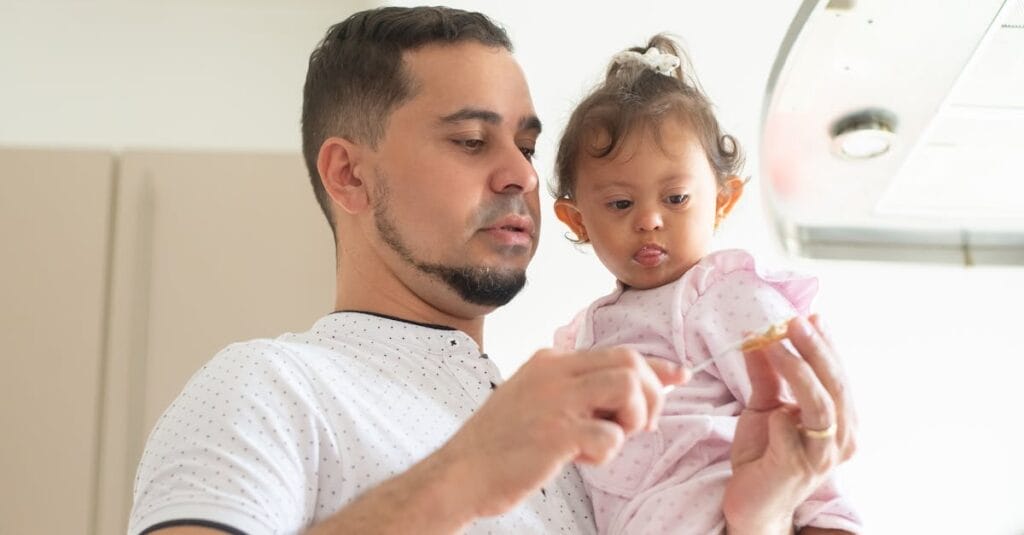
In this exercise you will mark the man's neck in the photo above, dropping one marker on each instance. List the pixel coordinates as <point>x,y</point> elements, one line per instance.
<point>381,292</point>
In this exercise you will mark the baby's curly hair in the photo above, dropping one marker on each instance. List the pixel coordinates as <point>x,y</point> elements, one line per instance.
<point>633,96</point>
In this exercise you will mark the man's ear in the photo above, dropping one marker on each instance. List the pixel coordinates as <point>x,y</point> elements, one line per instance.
<point>728,194</point>
<point>567,213</point>
<point>339,166</point>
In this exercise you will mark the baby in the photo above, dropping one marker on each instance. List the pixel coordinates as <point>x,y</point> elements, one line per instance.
<point>645,176</point>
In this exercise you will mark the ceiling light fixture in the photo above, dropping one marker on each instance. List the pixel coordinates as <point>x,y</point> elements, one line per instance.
<point>864,134</point>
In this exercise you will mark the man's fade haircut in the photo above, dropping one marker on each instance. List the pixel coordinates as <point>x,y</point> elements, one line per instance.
<point>356,75</point>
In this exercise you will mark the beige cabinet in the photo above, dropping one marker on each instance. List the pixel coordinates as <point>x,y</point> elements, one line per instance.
<point>210,249</point>
<point>150,267</point>
<point>55,222</point>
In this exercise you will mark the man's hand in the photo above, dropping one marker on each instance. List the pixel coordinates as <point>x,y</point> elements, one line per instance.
<point>559,407</point>
<point>783,451</point>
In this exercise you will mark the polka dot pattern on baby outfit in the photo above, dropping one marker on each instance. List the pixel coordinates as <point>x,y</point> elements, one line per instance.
<point>671,481</point>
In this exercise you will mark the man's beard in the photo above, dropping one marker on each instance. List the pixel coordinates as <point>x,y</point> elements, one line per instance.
<point>483,286</point>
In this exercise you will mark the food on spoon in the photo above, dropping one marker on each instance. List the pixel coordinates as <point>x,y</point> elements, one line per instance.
<point>774,333</point>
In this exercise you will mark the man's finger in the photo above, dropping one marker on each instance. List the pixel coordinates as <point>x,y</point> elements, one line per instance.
<point>817,409</point>
<point>818,353</point>
<point>783,432</point>
<point>765,387</point>
<point>819,325</point>
<point>845,406</point>
<point>822,358</point>
<point>616,394</point>
<point>598,441</point>
<point>669,373</point>
<point>651,375</point>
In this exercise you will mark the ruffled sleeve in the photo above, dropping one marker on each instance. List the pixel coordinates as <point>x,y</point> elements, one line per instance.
<point>566,335</point>
<point>827,508</point>
<point>714,268</point>
<point>578,333</point>
<point>728,296</point>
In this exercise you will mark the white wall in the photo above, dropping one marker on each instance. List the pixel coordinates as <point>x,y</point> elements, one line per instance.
<point>147,73</point>
<point>932,352</point>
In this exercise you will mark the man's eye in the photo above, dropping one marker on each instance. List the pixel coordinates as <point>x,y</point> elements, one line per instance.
<point>620,204</point>
<point>678,199</point>
<point>471,144</point>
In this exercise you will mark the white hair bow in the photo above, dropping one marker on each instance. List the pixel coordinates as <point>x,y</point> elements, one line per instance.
<point>658,61</point>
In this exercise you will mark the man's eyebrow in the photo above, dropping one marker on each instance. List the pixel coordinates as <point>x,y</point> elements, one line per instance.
<point>477,114</point>
<point>472,114</point>
<point>530,123</point>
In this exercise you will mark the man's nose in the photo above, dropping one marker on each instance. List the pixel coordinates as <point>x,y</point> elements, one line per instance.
<point>515,173</point>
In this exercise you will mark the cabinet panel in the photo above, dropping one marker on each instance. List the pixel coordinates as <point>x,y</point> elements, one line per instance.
<point>55,211</point>
<point>210,249</point>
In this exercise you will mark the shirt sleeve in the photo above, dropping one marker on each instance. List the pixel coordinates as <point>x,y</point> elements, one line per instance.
<point>736,305</point>
<point>234,448</point>
<point>566,336</point>
<point>827,509</point>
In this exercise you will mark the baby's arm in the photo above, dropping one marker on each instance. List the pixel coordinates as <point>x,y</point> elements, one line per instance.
<point>736,309</point>
<point>740,306</point>
<point>565,336</point>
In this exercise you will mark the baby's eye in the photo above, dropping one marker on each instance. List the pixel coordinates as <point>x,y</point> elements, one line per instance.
<point>677,199</point>
<point>621,204</point>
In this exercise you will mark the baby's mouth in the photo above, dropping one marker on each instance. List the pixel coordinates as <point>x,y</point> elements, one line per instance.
<point>650,255</point>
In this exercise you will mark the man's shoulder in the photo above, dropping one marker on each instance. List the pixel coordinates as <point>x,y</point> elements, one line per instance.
<point>288,350</point>
<point>300,358</point>
<point>262,353</point>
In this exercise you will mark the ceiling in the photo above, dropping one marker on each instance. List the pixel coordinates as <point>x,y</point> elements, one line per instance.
<point>951,75</point>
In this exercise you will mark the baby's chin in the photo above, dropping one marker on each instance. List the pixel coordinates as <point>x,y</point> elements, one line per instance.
<point>648,279</point>
<point>634,282</point>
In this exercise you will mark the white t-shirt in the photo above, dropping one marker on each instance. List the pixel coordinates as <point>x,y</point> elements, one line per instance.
<point>272,436</point>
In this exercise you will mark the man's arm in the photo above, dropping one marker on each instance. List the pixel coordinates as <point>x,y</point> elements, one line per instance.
<point>558,408</point>
<point>428,498</point>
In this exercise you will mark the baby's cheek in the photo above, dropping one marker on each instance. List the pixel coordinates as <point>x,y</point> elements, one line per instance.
<point>612,260</point>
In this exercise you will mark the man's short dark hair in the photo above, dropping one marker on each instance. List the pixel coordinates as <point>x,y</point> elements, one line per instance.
<point>356,75</point>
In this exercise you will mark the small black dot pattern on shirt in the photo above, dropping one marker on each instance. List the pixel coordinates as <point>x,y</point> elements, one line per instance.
<point>282,433</point>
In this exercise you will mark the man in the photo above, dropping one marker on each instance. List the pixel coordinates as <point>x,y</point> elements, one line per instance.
<point>386,417</point>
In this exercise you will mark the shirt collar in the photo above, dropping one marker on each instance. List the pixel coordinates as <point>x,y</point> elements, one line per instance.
<point>435,339</point>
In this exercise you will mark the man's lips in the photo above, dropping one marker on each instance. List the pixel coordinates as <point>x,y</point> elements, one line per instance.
<point>512,230</point>
<point>650,255</point>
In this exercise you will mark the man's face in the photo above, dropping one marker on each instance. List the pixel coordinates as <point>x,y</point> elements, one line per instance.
<point>453,188</point>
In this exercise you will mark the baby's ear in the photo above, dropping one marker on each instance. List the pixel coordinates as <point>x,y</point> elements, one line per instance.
<point>567,213</point>
<point>728,194</point>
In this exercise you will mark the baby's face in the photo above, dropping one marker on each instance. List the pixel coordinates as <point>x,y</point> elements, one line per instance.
<point>649,213</point>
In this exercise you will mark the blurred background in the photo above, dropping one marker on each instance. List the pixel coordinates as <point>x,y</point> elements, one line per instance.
<point>154,208</point>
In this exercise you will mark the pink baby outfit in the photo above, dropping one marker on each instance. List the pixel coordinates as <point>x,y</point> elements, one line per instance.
<point>672,480</point>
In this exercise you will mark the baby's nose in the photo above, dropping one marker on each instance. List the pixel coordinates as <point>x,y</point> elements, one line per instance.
<point>648,220</point>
